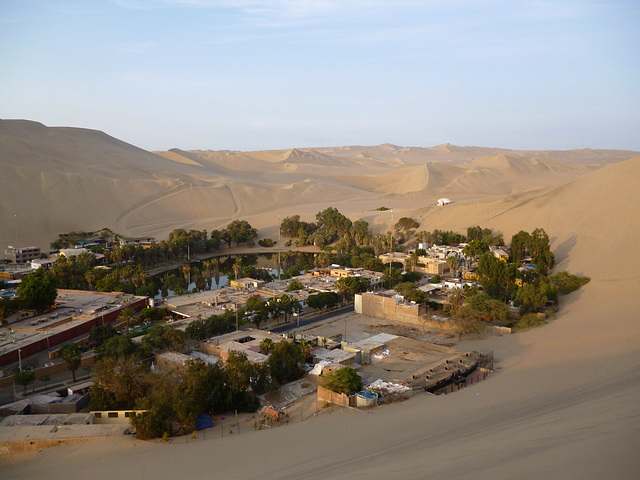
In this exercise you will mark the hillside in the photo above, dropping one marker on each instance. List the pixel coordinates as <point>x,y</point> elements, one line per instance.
<point>57,180</point>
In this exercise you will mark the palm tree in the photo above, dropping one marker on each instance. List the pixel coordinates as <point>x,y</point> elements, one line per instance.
<point>452,261</point>
<point>90,277</point>
<point>216,270</point>
<point>127,315</point>
<point>455,299</point>
<point>208,272</point>
<point>237,267</point>
<point>71,354</point>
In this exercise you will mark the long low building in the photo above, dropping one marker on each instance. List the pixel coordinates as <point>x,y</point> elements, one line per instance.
<point>75,313</point>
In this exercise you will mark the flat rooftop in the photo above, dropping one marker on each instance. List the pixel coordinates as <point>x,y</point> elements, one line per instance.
<point>73,307</point>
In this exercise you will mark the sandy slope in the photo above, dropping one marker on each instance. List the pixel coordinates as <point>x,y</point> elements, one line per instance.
<point>56,180</point>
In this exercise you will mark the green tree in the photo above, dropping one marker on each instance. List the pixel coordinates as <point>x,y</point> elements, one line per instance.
<point>71,354</point>
<point>452,262</point>
<point>496,277</point>
<point>165,337</point>
<point>119,383</point>
<point>323,299</point>
<point>238,370</point>
<point>530,298</point>
<point>266,346</point>
<point>117,346</point>
<point>239,231</point>
<point>345,380</point>
<point>466,321</point>
<point>127,316</point>
<point>352,285</point>
<point>37,291</point>
<point>294,285</point>
<point>566,282</point>
<point>258,308</point>
<point>101,333</point>
<point>489,308</point>
<point>24,378</point>
<point>237,267</point>
<point>286,362</point>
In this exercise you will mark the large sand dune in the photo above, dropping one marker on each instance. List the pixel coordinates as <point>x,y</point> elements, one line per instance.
<point>564,402</point>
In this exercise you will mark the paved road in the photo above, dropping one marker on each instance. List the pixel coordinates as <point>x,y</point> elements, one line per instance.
<point>311,320</point>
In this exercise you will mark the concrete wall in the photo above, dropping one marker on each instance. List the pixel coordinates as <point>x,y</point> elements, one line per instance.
<point>9,447</point>
<point>57,368</point>
<point>327,396</point>
<point>379,306</point>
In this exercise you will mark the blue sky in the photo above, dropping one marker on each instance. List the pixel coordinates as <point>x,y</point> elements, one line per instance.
<point>258,74</point>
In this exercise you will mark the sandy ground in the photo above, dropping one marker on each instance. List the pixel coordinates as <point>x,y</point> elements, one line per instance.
<point>563,402</point>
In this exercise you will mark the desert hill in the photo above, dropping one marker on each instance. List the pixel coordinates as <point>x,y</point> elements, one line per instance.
<point>57,180</point>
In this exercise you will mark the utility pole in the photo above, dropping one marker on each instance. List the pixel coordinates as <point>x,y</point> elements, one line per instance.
<point>279,247</point>
<point>188,261</point>
<point>391,258</point>
<point>19,360</point>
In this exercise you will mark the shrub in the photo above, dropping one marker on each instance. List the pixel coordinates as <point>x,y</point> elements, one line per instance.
<point>267,242</point>
<point>346,380</point>
<point>566,282</point>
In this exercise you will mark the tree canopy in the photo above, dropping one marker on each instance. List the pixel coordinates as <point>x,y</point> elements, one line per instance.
<point>37,291</point>
<point>345,380</point>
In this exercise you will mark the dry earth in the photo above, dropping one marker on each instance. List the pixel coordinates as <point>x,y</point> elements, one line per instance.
<point>564,401</point>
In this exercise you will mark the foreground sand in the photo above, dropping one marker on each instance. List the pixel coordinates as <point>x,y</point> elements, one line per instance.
<point>563,402</point>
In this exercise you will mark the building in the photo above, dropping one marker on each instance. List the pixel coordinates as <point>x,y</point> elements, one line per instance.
<point>432,266</point>
<point>444,201</point>
<point>144,241</point>
<point>246,283</point>
<point>388,306</point>
<point>500,254</point>
<point>45,263</point>
<point>21,254</point>
<point>75,313</point>
<point>243,341</point>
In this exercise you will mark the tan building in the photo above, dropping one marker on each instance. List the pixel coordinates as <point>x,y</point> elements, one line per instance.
<point>388,306</point>
<point>22,254</point>
<point>246,283</point>
<point>432,266</point>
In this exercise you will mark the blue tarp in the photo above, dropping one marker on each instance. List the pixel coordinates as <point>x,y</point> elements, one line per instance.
<point>204,421</point>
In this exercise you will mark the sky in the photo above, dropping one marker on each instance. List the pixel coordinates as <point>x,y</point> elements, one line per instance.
<point>271,74</point>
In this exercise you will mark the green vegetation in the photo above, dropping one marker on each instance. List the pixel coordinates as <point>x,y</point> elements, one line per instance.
<point>349,286</point>
<point>286,362</point>
<point>71,354</point>
<point>566,282</point>
<point>24,378</point>
<point>214,325</point>
<point>294,285</point>
<point>346,380</point>
<point>267,242</point>
<point>323,300</point>
<point>38,291</point>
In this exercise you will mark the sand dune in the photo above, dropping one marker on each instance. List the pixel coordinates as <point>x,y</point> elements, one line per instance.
<point>57,180</point>
<point>564,400</point>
